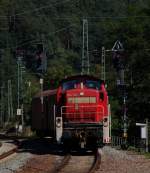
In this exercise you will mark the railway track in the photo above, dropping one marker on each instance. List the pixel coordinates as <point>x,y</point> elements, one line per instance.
<point>53,160</point>
<point>79,164</point>
<point>12,150</point>
<point>8,153</point>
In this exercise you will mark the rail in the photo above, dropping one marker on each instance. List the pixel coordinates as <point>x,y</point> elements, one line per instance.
<point>97,161</point>
<point>8,153</point>
<point>65,164</point>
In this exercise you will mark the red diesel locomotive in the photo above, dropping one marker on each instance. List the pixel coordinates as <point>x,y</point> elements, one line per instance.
<point>77,113</point>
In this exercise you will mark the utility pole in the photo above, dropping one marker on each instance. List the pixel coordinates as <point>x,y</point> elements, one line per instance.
<point>85,51</point>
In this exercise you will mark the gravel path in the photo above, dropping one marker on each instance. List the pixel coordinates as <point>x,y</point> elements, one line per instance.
<point>117,161</point>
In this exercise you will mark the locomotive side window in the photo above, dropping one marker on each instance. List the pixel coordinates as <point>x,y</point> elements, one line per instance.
<point>92,84</point>
<point>69,85</point>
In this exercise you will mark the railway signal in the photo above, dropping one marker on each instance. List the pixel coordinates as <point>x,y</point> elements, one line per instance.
<point>118,63</point>
<point>120,68</point>
<point>41,59</point>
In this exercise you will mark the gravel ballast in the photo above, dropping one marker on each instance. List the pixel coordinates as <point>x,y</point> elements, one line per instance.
<point>113,161</point>
<point>14,163</point>
<point>117,161</point>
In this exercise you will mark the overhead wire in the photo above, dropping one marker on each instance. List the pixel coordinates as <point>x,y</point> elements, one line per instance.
<point>43,7</point>
<point>68,17</point>
<point>38,40</point>
<point>102,17</point>
<point>38,8</point>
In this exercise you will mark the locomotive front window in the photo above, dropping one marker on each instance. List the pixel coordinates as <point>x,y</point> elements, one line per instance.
<point>92,84</point>
<point>69,85</point>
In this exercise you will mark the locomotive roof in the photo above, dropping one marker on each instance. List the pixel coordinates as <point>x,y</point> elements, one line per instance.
<point>46,93</point>
<point>80,77</point>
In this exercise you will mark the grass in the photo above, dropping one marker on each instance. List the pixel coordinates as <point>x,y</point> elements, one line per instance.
<point>147,155</point>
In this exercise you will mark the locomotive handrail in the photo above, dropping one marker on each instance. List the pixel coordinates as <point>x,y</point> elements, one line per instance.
<point>84,113</point>
<point>80,113</point>
<point>84,106</point>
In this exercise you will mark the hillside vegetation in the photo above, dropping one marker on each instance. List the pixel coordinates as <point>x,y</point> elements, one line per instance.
<point>57,25</point>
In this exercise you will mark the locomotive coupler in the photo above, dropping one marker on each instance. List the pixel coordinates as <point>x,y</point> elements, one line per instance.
<point>82,139</point>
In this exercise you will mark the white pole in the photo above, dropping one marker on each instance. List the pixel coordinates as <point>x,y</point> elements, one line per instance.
<point>41,83</point>
<point>147,135</point>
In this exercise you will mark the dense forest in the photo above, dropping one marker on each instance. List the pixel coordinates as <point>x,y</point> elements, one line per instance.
<point>55,27</point>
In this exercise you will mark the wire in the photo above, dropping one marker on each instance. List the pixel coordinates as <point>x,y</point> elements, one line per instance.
<point>38,9</point>
<point>102,17</point>
<point>39,41</point>
<point>41,8</point>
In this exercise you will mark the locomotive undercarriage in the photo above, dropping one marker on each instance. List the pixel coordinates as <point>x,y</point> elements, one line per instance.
<point>87,135</point>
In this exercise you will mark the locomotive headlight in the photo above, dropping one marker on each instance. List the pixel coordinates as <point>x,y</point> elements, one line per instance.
<point>105,122</point>
<point>58,122</point>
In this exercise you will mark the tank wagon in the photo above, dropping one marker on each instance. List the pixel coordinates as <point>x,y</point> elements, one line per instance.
<point>76,113</point>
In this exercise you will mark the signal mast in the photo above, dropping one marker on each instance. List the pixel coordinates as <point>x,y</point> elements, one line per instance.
<point>120,69</point>
<point>119,66</point>
<point>85,51</point>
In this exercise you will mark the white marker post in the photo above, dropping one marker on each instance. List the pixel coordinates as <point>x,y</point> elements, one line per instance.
<point>144,132</point>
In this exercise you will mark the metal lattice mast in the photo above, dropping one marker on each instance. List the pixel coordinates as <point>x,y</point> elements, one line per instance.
<point>103,74</point>
<point>10,104</point>
<point>20,88</point>
<point>18,82</point>
<point>8,101</point>
<point>120,69</point>
<point>2,105</point>
<point>85,51</point>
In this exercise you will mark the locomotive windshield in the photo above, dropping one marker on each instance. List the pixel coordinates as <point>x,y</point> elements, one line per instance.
<point>92,84</point>
<point>69,85</point>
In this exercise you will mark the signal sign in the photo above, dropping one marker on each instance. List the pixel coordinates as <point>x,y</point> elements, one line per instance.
<point>118,46</point>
